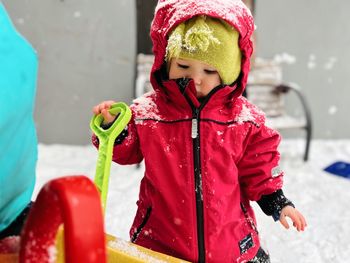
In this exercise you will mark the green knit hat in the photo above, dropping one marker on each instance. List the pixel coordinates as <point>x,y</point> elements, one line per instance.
<point>209,40</point>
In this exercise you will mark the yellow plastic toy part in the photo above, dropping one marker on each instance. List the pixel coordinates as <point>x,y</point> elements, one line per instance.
<point>121,251</point>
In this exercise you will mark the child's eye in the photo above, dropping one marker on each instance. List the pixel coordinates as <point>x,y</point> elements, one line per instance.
<point>210,71</point>
<point>182,66</point>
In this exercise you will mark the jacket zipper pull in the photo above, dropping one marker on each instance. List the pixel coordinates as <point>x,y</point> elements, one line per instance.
<point>194,132</point>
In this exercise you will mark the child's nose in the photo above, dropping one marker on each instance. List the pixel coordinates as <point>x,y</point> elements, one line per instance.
<point>197,79</point>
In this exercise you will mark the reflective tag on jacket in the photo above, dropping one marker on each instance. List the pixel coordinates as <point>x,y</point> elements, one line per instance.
<point>194,132</point>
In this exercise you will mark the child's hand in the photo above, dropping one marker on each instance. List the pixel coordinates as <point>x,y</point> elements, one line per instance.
<point>298,219</point>
<point>103,108</point>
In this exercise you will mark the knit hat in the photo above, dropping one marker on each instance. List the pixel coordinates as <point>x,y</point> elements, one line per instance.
<point>209,40</point>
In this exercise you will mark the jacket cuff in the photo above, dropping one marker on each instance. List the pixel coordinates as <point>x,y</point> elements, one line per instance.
<point>117,141</point>
<point>121,137</point>
<point>273,204</point>
<point>107,126</point>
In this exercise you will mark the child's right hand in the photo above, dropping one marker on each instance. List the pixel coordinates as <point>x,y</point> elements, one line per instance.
<point>103,108</point>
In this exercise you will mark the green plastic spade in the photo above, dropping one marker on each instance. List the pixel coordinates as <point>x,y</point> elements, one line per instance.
<point>106,142</point>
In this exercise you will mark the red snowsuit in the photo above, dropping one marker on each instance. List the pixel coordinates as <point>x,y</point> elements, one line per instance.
<point>204,161</point>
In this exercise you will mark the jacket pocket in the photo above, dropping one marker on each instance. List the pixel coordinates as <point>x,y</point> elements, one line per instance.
<point>141,225</point>
<point>249,220</point>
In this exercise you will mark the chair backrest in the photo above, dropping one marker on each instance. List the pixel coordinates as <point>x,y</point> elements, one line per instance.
<point>263,79</point>
<point>144,66</point>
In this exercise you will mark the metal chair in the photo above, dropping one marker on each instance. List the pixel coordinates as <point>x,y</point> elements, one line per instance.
<point>144,66</point>
<point>266,90</point>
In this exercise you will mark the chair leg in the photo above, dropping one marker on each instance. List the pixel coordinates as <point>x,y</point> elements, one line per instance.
<point>307,146</point>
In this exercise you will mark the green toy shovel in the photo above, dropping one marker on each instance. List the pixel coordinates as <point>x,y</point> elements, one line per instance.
<point>106,143</point>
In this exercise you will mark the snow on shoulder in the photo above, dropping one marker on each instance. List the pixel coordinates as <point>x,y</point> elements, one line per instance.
<point>249,113</point>
<point>145,107</point>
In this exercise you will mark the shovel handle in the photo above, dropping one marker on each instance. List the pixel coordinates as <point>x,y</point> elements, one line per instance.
<point>106,144</point>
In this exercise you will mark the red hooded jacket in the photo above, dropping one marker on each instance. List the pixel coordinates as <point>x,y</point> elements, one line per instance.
<point>204,161</point>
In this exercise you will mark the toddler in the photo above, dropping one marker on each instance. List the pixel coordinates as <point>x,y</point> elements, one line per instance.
<point>206,149</point>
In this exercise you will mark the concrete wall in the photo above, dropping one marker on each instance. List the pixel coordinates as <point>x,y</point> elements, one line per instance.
<point>86,54</point>
<point>86,50</point>
<point>317,34</point>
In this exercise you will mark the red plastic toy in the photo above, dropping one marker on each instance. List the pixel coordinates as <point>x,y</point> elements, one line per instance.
<point>75,202</point>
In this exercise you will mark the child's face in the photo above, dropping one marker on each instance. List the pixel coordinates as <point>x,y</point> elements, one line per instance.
<point>205,77</point>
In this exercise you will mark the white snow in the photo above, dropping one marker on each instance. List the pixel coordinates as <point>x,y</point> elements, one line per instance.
<point>330,63</point>
<point>123,246</point>
<point>20,21</point>
<point>52,251</point>
<point>284,58</point>
<point>312,62</point>
<point>229,10</point>
<point>146,107</point>
<point>322,198</point>
<point>332,110</point>
<point>245,115</point>
<point>77,14</point>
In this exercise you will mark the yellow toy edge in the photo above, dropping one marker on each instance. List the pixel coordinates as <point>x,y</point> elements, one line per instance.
<point>121,251</point>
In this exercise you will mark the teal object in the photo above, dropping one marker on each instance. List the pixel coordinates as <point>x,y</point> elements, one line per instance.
<point>106,143</point>
<point>18,140</point>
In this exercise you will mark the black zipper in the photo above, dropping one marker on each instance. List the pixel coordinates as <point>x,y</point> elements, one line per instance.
<point>195,132</point>
<point>198,184</point>
<point>141,226</point>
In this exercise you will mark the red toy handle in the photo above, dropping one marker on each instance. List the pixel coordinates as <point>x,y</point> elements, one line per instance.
<point>75,202</point>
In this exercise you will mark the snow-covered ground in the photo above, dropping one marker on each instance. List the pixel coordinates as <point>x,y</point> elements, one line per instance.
<point>323,198</point>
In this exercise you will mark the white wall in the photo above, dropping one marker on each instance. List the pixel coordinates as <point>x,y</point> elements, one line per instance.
<point>87,51</point>
<point>317,34</point>
<point>86,54</point>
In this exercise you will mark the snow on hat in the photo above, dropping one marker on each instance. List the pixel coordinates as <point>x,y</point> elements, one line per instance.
<point>209,40</point>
